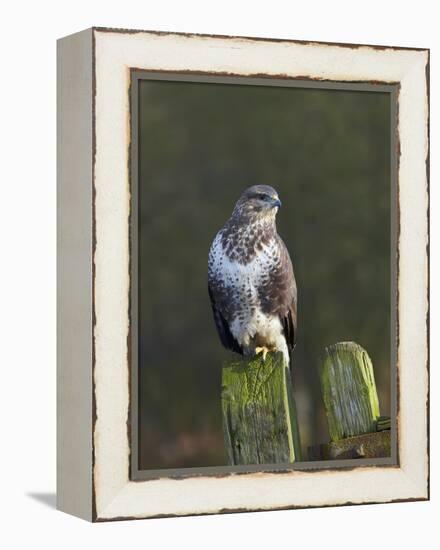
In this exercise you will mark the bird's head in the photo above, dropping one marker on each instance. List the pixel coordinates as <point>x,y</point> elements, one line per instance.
<point>258,202</point>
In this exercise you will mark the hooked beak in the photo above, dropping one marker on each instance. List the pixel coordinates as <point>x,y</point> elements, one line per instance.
<point>276,202</point>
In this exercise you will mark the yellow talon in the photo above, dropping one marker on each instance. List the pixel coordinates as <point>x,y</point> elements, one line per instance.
<point>262,350</point>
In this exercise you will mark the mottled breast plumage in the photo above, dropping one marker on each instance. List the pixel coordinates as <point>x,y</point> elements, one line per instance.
<point>251,285</point>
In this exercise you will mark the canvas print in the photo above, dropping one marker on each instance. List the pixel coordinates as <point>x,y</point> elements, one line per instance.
<point>265,279</point>
<point>249,309</point>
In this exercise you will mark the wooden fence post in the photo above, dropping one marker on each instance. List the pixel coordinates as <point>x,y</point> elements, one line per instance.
<point>350,399</point>
<point>259,415</point>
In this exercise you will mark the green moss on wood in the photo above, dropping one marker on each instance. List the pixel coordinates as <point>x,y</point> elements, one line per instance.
<point>349,391</point>
<point>383,423</point>
<point>259,417</point>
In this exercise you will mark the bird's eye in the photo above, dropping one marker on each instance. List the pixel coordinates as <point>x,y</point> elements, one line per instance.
<point>262,196</point>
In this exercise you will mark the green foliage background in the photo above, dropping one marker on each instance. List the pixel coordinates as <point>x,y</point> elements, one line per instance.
<point>200,145</point>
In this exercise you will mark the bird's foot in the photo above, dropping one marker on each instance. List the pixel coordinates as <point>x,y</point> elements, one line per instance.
<point>263,350</point>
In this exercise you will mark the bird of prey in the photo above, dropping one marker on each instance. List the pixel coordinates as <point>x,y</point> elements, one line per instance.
<point>250,279</point>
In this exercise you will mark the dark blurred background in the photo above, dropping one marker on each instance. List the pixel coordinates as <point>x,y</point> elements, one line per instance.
<point>200,145</point>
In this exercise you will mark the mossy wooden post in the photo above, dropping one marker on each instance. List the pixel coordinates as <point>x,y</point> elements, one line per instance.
<point>350,399</point>
<point>349,391</point>
<point>259,415</point>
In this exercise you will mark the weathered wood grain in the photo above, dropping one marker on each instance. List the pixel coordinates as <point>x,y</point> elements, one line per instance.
<point>259,416</point>
<point>349,391</point>
<point>372,445</point>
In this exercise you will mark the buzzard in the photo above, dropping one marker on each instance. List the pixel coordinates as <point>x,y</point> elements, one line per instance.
<point>250,279</point>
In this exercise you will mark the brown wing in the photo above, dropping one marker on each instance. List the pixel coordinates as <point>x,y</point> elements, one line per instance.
<point>288,304</point>
<point>226,337</point>
<point>279,296</point>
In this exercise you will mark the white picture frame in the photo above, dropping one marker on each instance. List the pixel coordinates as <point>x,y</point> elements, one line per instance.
<point>94,139</point>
